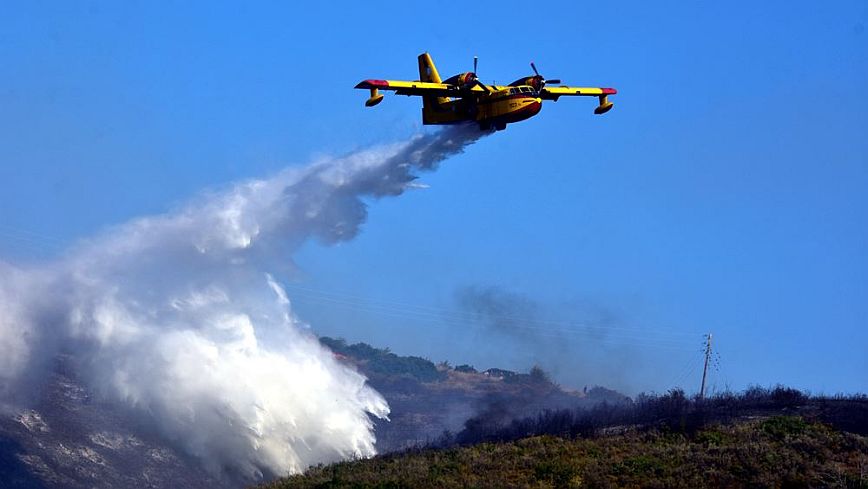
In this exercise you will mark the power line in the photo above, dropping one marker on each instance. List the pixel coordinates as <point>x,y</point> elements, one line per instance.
<point>444,318</point>
<point>344,298</point>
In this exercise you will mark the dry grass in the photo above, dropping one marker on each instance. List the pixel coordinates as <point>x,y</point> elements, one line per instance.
<point>781,451</point>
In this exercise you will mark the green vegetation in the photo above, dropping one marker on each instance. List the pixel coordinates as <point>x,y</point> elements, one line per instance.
<point>383,362</point>
<point>781,451</point>
<point>468,369</point>
<point>781,427</point>
<point>536,376</point>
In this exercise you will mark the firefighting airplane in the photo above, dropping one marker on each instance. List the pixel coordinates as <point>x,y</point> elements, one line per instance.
<point>464,98</point>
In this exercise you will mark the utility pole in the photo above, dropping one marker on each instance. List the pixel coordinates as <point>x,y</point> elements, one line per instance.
<point>705,368</point>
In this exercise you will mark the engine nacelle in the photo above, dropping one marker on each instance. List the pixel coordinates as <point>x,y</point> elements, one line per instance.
<point>462,79</point>
<point>534,81</point>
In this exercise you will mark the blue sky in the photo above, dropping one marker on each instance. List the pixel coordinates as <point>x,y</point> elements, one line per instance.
<point>726,192</point>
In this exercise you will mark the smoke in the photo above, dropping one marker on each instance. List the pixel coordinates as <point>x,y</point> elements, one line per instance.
<point>513,322</point>
<point>178,318</point>
<point>579,342</point>
<point>501,310</point>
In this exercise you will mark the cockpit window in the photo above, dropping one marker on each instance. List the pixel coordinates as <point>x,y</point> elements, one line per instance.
<point>525,89</point>
<point>512,91</point>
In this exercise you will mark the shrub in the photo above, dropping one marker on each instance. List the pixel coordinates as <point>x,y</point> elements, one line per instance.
<point>782,426</point>
<point>466,369</point>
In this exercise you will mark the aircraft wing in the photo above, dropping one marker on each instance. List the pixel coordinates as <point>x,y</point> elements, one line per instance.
<point>553,93</point>
<point>419,88</point>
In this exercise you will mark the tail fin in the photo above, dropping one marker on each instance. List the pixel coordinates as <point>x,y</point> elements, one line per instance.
<point>427,70</point>
<point>431,105</point>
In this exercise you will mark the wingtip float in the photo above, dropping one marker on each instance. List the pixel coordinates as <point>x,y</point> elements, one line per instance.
<point>464,97</point>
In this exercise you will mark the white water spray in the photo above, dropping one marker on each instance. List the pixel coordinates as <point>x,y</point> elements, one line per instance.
<point>177,317</point>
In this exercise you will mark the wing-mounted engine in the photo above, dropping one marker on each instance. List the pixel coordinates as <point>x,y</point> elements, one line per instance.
<point>536,81</point>
<point>468,79</point>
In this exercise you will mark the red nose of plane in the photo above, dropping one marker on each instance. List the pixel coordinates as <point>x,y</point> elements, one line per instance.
<point>529,108</point>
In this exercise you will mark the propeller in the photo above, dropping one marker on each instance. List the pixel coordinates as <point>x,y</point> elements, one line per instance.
<point>542,80</point>
<point>476,78</point>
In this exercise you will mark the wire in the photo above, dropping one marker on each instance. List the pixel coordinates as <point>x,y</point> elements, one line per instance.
<point>343,298</point>
<point>445,318</point>
<point>666,338</point>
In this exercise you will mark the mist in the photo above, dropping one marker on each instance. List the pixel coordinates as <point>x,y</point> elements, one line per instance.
<point>180,319</point>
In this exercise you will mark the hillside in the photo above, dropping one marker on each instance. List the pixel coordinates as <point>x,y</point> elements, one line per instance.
<point>476,425</point>
<point>429,399</point>
<point>68,437</point>
<point>781,451</point>
<point>761,437</point>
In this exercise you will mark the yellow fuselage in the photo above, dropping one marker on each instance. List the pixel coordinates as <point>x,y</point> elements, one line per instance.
<point>492,109</point>
<point>509,105</point>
